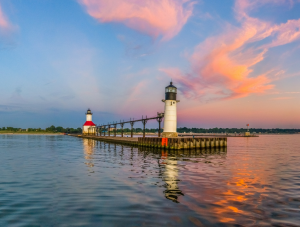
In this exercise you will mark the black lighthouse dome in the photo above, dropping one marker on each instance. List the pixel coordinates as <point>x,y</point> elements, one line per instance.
<point>171,92</point>
<point>89,111</point>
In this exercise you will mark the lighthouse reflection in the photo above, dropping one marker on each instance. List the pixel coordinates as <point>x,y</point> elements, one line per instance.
<point>169,173</point>
<point>169,167</point>
<point>89,149</point>
<point>143,166</point>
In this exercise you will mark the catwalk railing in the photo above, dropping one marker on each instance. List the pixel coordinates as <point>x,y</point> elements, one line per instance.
<point>101,129</point>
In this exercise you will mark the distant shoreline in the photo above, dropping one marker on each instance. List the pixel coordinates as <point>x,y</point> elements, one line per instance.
<point>30,133</point>
<point>126,134</point>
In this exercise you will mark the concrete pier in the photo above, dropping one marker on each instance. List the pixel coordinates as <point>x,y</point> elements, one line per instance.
<point>175,143</point>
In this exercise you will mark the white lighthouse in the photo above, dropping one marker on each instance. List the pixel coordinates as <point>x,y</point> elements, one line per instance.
<point>170,121</point>
<point>89,128</point>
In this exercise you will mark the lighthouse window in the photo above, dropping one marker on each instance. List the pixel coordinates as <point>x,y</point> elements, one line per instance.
<point>171,89</point>
<point>173,102</point>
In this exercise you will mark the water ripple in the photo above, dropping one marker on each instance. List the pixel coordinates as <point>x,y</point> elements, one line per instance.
<point>66,181</point>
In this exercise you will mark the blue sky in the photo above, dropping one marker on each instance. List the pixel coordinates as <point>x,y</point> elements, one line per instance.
<point>234,62</point>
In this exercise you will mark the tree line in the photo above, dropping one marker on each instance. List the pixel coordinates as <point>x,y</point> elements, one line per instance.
<point>218,130</point>
<point>237,130</point>
<point>60,129</point>
<point>51,129</point>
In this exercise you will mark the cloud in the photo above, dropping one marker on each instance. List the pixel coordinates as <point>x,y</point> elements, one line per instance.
<point>132,98</point>
<point>5,25</point>
<point>138,74</point>
<point>282,98</point>
<point>155,18</point>
<point>8,107</point>
<point>136,91</point>
<point>223,66</point>
<point>17,94</point>
<point>293,92</point>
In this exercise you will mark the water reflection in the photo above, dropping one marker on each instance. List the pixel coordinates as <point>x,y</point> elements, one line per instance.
<point>89,150</point>
<point>167,162</point>
<point>169,167</point>
<point>181,154</point>
<point>213,187</point>
<point>169,173</point>
<point>255,184</point>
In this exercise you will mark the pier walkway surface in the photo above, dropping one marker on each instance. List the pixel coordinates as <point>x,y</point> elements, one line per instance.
<point>174,143</point>
<point>218,134</point>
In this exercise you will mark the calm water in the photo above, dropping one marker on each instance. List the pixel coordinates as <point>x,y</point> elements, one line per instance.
<point>66,181</point>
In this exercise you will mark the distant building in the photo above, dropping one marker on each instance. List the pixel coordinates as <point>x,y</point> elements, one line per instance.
<point>89,128</point>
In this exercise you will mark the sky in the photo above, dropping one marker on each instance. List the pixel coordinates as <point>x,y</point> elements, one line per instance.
<point>233,62</point>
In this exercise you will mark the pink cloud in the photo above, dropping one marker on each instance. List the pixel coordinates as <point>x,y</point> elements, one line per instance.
<point>4,24</point>
<point>282,98</point>
<point>154,18</point>
<point>222,66</point>
<point>133,97</point>
<point>285,33</point>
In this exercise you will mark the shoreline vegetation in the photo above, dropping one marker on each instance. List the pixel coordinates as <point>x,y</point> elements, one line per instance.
<point>33,133</point>
<point>52,130</point>
<point>128,134</point>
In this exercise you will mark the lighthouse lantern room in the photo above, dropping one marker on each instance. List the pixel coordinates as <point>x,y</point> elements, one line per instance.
<point>170,121</point>
<point>89,128</point>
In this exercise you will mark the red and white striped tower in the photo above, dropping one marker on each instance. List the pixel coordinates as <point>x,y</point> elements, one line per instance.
<point>89,128</point>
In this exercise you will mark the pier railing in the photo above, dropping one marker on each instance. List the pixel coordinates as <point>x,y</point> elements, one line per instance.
<point>101,129</point>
